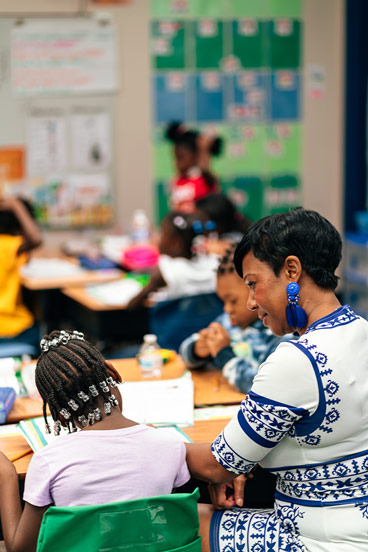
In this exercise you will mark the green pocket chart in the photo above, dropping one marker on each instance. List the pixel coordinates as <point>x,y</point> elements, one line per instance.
<point>248,40</point>
<point>282,193</point>
<point>282,152</point>
<point>168,44</point>
<point>247,194</point>
<point>284,43</point>
<point>162,154</point>
<point>209,43</point>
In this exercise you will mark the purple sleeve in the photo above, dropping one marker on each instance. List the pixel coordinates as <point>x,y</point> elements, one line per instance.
<point>37,483</point>
<point>183,474</point>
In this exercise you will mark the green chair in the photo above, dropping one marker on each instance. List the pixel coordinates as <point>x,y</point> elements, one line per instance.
<point>167,523</point>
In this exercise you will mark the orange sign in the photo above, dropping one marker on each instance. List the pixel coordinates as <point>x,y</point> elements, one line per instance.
<point>11,163</point>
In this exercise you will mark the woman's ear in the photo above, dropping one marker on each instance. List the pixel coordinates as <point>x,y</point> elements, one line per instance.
<point>112,371</point>
<point>292,268</point>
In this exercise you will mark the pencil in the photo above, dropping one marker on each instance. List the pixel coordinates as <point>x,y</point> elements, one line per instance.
<point>20,455</point>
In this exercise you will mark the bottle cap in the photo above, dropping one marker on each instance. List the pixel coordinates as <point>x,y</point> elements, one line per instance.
<point>150,338</point>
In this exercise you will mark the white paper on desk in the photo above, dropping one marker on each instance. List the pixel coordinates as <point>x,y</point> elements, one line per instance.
<point>119,292</point>
<point>7,374</point>
<point>161,402</point>
<point>50,268</point>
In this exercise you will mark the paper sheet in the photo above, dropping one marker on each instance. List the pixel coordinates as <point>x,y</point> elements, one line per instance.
<point>162,402</point>
<point>115,293</point>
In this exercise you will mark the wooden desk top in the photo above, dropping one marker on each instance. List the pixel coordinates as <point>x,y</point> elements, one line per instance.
<point>79,294</point>
<point>210,388</point>
<point>81,279</point>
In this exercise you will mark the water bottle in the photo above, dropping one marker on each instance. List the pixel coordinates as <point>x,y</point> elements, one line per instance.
<point>140,230</point>
<point>149,357</point>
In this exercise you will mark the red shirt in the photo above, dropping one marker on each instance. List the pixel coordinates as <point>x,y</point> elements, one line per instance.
<point>185,190</point>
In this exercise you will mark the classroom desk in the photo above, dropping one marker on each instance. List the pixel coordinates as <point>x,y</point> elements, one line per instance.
<point>83,278</point>
<point>210,388</point>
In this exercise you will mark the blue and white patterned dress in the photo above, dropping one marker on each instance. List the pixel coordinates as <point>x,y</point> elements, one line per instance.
<point>305,420</point>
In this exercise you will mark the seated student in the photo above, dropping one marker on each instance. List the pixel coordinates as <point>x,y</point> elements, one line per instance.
<point>194,178</point>
<point>229,224</point>
<point>236,342</point>
<point>182,270</point>
<point>106,461</point>
<point>19,234</point>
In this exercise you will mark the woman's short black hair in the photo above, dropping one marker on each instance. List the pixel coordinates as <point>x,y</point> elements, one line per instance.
<point>303,233</point>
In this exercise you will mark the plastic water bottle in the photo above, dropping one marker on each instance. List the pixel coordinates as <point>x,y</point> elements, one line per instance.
<point>140,230</point>
<point>149,357</point>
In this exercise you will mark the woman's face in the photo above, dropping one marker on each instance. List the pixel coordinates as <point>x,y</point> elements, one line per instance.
<point>267,293</point>
<point>234,294</point>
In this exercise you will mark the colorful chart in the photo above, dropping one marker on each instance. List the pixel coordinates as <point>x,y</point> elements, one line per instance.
<point>235,67</point>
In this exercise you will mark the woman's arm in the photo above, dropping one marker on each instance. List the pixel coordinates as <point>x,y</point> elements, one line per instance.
<point>203,465</point>
<point>20,529</point>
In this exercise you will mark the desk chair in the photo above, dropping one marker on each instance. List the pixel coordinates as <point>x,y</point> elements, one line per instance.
<point>174,320</point>
<point>166,523</point>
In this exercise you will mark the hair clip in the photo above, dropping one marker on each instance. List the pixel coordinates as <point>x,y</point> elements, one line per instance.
<point>83,396</point>
<point>62,339</point>
<point>98,414</point>
<point>91,418</point>
<point>73,405</point>
<point>111,382</point>
<point>104,386</point>
<point>107,408</point>
<point>57,427</point>
<point>197,226</point>
<point>93,390</point>
<point>114,401</point>
<point>65,413</point>
<point>180,222</point>
<point>83,420</point>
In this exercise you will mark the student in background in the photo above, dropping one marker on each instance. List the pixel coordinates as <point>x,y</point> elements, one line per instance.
<point>194,179</point>
<point>106,461</point>
<point>229,224</point>
<point>183,269</point>
<point>19,234</point>
<point>236,342</point>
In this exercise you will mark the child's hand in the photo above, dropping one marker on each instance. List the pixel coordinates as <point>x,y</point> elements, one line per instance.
<point>201,348</point>
<point>217,338</point>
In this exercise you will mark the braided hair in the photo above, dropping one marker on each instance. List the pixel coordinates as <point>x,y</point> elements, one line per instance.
<point>71,376</point>
<point>226,264</point>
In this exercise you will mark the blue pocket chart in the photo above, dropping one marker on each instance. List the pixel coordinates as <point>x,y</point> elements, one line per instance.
<point>170,97</point>
<point>251,96</point>
<point>209,96</point>
<point>285,95</point>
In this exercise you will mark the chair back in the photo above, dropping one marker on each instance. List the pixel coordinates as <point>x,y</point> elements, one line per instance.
<point>176,319</point>
<point>165,523</point>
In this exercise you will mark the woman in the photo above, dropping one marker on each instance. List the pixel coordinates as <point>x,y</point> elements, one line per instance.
<point>306,416</point>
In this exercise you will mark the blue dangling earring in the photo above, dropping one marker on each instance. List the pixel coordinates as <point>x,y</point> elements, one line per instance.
<point>296,315</point>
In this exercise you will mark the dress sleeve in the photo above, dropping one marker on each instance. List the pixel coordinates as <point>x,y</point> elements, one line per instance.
<point>284,391</point>
<point>37,483</point>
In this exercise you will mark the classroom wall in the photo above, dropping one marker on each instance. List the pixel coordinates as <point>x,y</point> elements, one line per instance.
<point>323,116</point>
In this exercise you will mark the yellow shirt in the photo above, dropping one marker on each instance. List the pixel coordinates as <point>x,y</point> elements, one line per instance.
<point>14,316</point>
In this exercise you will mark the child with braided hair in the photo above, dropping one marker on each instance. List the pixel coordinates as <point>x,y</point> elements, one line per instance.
<point>236,342</point>
<point>104,458</point>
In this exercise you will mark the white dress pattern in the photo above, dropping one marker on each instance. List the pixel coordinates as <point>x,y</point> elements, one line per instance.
<point>305,420</point>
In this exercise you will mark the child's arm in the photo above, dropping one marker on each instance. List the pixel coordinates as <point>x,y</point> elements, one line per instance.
<point>31,233</point>
<point>194,349</point>
<point>156,281</point>
<point>20,529</point>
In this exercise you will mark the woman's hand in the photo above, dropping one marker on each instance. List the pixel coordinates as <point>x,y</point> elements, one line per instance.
<point>217,338</point>
<point>227,495</point>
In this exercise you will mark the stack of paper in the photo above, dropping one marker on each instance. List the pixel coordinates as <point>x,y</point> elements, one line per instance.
<point>34,432</point>
<point>216,412</point>
<point>50,268</point>
<point>115,293</point>
<point>161,402</point>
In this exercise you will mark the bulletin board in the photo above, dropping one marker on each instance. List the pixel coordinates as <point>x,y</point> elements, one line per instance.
<point>233,67</point>
<point>57,84</point>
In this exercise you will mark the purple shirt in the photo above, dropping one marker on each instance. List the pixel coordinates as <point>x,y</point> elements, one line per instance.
<point>101,466</point>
